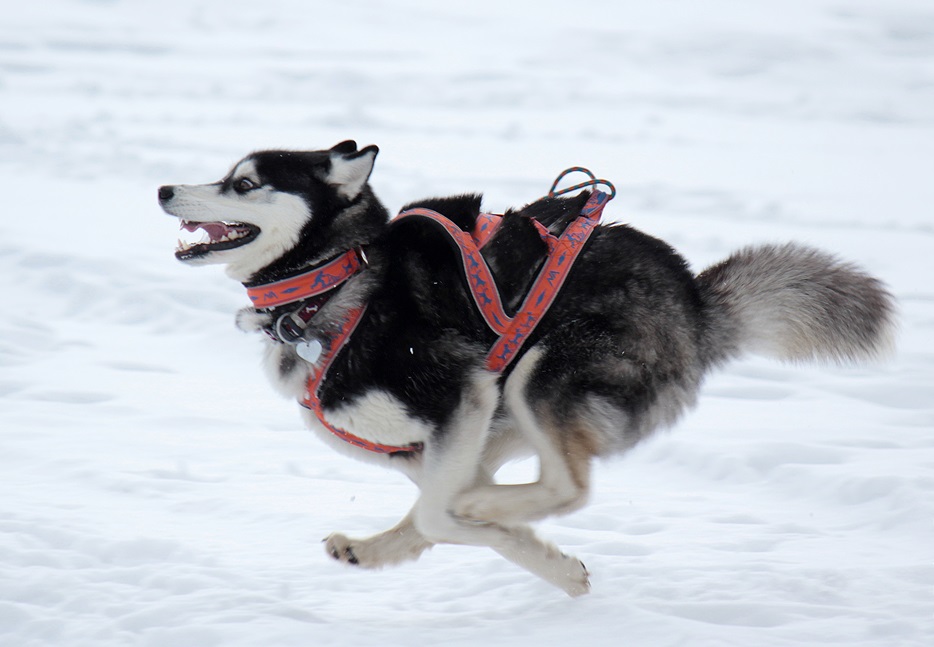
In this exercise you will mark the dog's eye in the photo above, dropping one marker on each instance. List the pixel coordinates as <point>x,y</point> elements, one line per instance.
<point>243,185</point>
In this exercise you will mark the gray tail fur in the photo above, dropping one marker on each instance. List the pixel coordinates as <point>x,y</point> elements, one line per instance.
<point>797,304</point>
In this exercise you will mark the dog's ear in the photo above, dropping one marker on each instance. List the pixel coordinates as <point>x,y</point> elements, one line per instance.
<point>345,147</point>
<point>349,171</point>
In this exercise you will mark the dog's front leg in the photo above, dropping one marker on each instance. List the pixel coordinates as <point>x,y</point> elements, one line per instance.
<point>452,465</point>
<point>398,544</point>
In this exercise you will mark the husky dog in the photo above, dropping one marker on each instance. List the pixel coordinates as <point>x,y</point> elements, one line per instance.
<point>621,352</point>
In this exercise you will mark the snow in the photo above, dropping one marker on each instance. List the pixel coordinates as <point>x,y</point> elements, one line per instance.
<point>156,492</point>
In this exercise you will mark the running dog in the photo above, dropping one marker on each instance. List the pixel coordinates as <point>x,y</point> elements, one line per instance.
<point>375,327</point>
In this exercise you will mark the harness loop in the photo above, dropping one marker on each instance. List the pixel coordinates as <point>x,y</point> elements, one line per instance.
<point>594,181</point>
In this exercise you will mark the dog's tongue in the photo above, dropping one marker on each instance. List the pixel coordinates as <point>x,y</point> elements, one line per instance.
<point>215,230</point>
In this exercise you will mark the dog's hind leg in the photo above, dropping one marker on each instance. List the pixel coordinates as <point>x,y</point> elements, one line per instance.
<point>564,462</point>
<point>398,544</point>
<point>452,466</point>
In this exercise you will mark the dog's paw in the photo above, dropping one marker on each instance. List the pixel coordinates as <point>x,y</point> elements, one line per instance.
<point>550,563</point>
<point>340,548</point>
<point>400,544</point>
<point>249,320</point>
<point>577,582</point>
<point>566,572</point>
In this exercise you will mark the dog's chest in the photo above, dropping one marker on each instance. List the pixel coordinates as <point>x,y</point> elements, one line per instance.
<point>379,417</point>
<point>373,414</point>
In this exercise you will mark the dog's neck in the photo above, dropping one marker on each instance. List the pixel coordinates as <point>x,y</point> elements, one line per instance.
<point>356,225</point>
<point>316,280</point>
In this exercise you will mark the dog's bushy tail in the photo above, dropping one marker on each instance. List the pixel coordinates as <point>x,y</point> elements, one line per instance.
<point>796,303</point>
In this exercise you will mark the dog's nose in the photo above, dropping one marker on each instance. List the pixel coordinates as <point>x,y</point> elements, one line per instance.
<point>166,193</point>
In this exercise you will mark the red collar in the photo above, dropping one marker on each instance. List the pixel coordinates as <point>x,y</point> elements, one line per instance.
<point>316,281</point>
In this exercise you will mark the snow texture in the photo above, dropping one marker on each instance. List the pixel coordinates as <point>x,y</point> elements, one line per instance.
<point>156,492</point>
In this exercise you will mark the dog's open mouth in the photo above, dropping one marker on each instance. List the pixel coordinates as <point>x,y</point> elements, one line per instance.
<point>215,237</point>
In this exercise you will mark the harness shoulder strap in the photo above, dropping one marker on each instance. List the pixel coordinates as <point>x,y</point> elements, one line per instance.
<point>476,271</point>
<point>550,280</point>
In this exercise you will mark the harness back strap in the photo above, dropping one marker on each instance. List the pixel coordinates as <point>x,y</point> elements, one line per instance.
<point>477,272</point>
<point>487,224</point>
<point>549,282</point>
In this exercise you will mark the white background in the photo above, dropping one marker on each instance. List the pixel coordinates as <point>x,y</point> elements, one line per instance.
<point>154,491</point>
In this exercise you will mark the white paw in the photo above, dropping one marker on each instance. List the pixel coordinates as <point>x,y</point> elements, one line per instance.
<point>385,549</point>
<point>340,547</point>
<point>249,320</point>
<point>577,578</point>
<point>564,571</point>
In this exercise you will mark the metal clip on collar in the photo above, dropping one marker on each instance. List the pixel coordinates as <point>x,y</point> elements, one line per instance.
<point>289,329</point>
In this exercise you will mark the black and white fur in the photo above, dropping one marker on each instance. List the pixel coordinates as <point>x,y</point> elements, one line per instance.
<point>621,353</point>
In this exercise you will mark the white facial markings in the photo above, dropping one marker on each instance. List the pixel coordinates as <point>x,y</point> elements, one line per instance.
<point>245,170</point>
<point>279,216</point>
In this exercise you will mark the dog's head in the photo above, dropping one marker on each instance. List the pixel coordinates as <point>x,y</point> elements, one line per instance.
<point>272,206</point>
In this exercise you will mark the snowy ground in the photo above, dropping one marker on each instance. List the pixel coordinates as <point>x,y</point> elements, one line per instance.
<point>155,492</point>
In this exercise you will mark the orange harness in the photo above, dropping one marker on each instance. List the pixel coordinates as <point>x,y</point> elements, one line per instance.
<point>513,331</point>
<point>562,252</point>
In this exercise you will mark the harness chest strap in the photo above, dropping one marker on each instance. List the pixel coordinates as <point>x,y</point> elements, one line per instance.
<point>332,344</point>
<point>311,287</point>
<point>487,224</point>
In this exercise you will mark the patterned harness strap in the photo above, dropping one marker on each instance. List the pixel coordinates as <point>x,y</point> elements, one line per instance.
<point>478,274</point>
<point>563,251</point>
<point>314,282</point>
<point>333,343</point>
<point>549,282</point>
